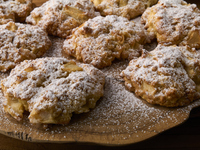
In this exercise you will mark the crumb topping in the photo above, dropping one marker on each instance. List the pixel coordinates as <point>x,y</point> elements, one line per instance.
<point>167,76</point>
<point>59,17</point>
<point>125,8</point>
<point>173,22</point>
<point>19,42</point>
<point>51,89</point>
<point>14,10</point>
<point>102,39</point>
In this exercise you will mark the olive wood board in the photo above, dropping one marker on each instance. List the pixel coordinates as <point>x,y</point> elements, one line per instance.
<point>119,117</point>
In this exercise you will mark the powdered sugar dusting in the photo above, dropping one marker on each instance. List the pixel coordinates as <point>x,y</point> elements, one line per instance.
<point>165,2</point>
<point>102,39</point>
<point>59,17</point>
<point>126,8</point>
<point>56,48</point>
<point>118,116</point>
<point>19,42</point>
<point>14,10</point>
<point>166,76</point>
<point>173,22</point>
<point>49,92</point>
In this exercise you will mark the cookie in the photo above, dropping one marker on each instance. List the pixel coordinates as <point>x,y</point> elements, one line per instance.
<point>14,10</point>
<point>59,17</point>
<point>173,23</point>
<point>51,89</point>
<point>19,42</point>
<point>125,8</point>
<point>102,39</point>
<point>167,76</point>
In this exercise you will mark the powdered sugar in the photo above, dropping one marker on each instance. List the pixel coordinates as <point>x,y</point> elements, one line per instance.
<point>128,9</point>
<point>118,116</point>
<point>56,48</point>
<point>102,39</point>
<point>173,22</point>
<point>165,2</point>
<point>19,42</point>
<point>14,10</point>
<point>167,76</point>
<point>59,17</point>
<point>50,92</point>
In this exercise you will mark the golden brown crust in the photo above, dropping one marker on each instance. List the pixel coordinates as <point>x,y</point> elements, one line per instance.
<point>102,39</point>
<point>14,10</point>
<point>59,17</point>
<point>19,42</point>
<point>167,76</point>
<point>125,8</point>
<point>173,22</point>
<point>51,89</point>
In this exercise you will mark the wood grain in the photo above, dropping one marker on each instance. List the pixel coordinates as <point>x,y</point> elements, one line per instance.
<point>183,137</point>
<point>39,2</point>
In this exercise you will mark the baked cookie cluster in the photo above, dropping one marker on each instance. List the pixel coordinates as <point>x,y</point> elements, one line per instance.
<point>14,10</point>
<point>54,88</point>
<point>51,89</point>
<point>173,23</point>
<point>59,17</point>
<point>125,8</point>
<point>102,39</point>
<point>19,42</point>
<point>168,76</point>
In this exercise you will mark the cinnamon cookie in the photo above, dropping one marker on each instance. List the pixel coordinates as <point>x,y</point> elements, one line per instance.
<point>167,76</point>
<point>19,42</point>
<point>173,22</point>
<point>59,17</point>
<point>14,10</point>
<point>51,89</point>
<point>125,8</point>
<point>102,39</point>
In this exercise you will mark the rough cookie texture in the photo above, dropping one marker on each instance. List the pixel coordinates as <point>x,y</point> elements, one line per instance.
<point>14,10</point>
<point>173,22</point>
<point>125,8</point>
<point>168,76</point>
<point>102,39</point>
<point>59,17</point>
<point>19,42</point>
<point>51,89</point>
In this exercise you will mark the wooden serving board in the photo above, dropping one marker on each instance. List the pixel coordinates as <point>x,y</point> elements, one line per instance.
<point>119,117</point>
